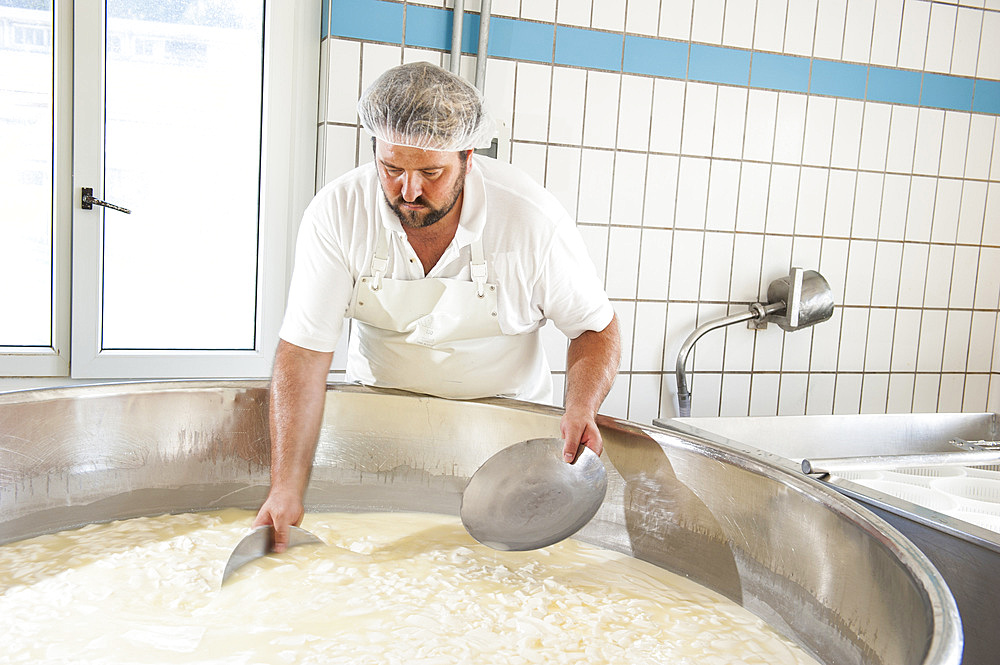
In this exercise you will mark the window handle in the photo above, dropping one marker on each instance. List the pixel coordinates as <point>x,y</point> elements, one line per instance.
<point>87,202</point>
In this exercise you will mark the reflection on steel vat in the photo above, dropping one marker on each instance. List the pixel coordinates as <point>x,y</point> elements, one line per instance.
<point>830,576</point>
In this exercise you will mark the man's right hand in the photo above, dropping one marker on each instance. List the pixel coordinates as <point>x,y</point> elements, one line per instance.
<point>281,510</point>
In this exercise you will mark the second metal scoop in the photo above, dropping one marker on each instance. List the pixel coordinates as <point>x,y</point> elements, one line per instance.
<point>260,542</point>
<point>526,497</point>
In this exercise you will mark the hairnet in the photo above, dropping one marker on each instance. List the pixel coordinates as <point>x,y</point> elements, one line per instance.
<point>421,105</point>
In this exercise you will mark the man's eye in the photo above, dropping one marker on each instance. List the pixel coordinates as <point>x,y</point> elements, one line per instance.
<point>393,172</point>
<point>432,174</point>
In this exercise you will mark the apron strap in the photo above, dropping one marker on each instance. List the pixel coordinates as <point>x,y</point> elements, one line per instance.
<point>380,262</point>
<point>478,267</point>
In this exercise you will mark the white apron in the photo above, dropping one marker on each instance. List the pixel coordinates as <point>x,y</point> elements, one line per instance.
<point>440,336</point>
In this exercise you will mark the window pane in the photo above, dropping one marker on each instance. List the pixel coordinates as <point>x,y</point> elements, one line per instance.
<point>26,173</point>
<point>182,151</point>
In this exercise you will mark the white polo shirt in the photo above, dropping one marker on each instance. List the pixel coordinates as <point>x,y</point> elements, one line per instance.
<point>534,255</point>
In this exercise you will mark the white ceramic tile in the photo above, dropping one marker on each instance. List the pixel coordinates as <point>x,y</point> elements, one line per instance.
<point>792,395</point>
<point>888,262</point>
<point>499,91</point>
<point>539,10</point>
<point>510,8</point>
<point>595,186</point>
<point>625,311</point>
<point>344,80</point>
<point>554,345</point>
<point>706,398</point>
<point>558,389</point>
<point>860,273</point>
<point>716,267</point>
<point>906,336</point>
<point>925,391</point>
<point>723,193</point>
<point>965,54</point>
<point>812,201</point>
<point>675,19</point>
<point>981,131</point>
<point>847,133</point>
<point>895,196</point>
<point>644,398</point>
<point>692,193</point>
<point>874,393</point>
<point>991,231</point>
<point>616,403</point>
<point>913,274</point>
<point>530,158</point>
<point>776,260</point>
<point>995,168</point>
<point>661,191</point>
<point>927,150</point>
<point>867,205</point>
<point>685,265</point>
<point>600,121</point>
<point>833,265</point>
<point>988,280</point>
<point>954,140</point>
<point>800,27</point>
<point>629,181</point>
<point>847,400</point>
<point>782,195</point>
<point>940,264</point>
<point>706,24</point>
<point>951,393</point>
<point>699,116</point>
<point>972,214</point>
<point>367,155</point>
<point>682,319</point>
<point>875,136</point>
<point>840,203</point>
<point>737,30</point>
<point>751,209</point>
<point>762,108</point>
<point>708,354</point>
<point>634,113</point>
<point>574,12</point>
<point>975,397</point>
<point>797,351</point>
<point>819,131</point>
<point>963,277</point>
<point>562,176</point>
<point>647,342</point>
<point>735,398</point>
<point>531,102</point>
<point>643,17</point>
<point>730,118</point>
<point>858,30</point>
<point>806,252</point>
<point>654,264</point>
<point>569,87</point>
<point>377,58</point>
<point>878,350</point>
<point>931,345</point>
<point>609,15</point>
<point>830,20</point>
<point>668,115</point>
<point>764,394</point>
<point>738,352</point>
<point>747,251</point>
<point>993,400</point>
<point>819,400</point>
<point>791,118</point>
<point>826,343</point>
<point>885,35</point>
<point>947,205</point>
<point>956,341</point>
<point>984,327</point>
<point>989,64</point>
<point>902,139</point>
<point>769,25</point>
<point>920,211</point>
<point>901,388</point>
<point>940,38</point>
<point>596,240</point>
<point>913,35</point>
<point>341,151</point>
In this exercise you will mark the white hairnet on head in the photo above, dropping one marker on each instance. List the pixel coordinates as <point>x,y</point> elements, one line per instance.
<point>421,105</point>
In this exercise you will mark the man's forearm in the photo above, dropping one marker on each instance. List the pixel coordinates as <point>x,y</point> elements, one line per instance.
<point>297,398</point>
<point>591,366</point>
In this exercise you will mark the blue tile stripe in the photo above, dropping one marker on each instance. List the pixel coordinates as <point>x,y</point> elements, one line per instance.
<point>516,39</point>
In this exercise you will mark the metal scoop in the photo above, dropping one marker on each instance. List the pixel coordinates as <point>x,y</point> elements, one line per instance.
<point>526,497</point>
<point>260,542</point>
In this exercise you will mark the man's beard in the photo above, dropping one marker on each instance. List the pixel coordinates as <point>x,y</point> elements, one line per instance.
<point>414,219</point>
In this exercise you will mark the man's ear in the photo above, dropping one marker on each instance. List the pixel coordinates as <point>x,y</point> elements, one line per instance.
<point>468,161</point>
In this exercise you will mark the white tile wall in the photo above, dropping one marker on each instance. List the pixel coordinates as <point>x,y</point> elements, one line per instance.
<point>692,197</point>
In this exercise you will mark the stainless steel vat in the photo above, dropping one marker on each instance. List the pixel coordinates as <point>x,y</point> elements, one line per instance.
<point>822,571</point>
<point>966,555</point>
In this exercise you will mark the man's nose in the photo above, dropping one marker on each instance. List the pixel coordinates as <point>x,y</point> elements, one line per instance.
<point>411,189</point>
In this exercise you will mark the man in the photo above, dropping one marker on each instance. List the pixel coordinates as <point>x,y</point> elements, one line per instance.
<point>449,265</point>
